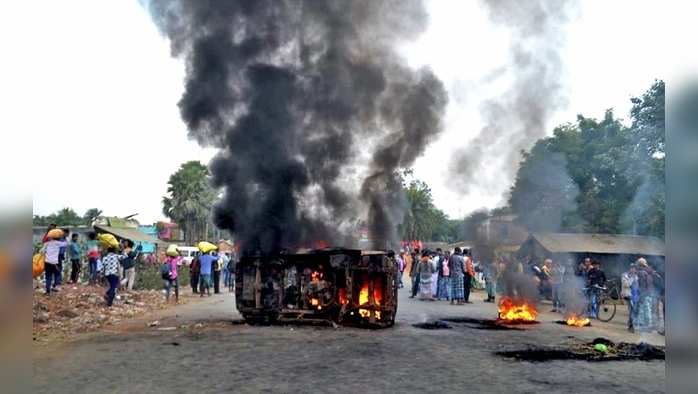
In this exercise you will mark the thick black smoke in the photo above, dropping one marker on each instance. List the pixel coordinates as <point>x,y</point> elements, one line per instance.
<point>313,110</point>
<point>517,118</point>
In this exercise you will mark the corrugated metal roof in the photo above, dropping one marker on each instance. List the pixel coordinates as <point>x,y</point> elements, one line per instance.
<point>600,243</point>
<point>133,234</point>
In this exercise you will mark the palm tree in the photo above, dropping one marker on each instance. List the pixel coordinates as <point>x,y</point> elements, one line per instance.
<point>189,199</point>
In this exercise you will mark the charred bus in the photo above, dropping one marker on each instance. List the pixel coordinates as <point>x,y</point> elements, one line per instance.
<point>345,286</point>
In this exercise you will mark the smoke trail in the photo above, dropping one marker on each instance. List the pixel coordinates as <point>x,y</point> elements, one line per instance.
<point>516,119</point>
<point>297,94</point>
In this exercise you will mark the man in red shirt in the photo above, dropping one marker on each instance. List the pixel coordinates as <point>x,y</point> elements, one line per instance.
<point>468,277</point>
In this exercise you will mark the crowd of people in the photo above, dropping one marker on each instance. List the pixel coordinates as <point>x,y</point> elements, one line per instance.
<point>438,275</point>
<point>114,266</point>
<point>205,272</point>
<point>442,275</point>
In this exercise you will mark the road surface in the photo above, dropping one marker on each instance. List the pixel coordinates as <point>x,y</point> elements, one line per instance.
<point>204,348</point>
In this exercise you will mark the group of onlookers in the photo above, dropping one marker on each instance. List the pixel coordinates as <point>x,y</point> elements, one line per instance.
<point>115,265</point>
<point>438,275</point>
<point>642,288</point>
<point>205,272</point>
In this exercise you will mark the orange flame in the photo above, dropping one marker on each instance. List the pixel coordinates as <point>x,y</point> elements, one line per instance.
<point>516,310</point>
<point>343,296</point>
<point>577,321</point>
<point>377,298</point>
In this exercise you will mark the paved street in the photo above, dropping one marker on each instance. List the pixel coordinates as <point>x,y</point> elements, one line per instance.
<point>203,347</point>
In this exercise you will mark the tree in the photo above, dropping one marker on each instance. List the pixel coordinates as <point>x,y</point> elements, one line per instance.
<point>597,176</point>
<point>189,199</point>
<point>90,215</point>
<point>646,213</point>
<point>423,221</point>
<point>63,217</point>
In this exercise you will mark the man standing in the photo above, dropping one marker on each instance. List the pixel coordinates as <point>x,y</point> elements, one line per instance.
<point>456,271</point>
<point>469,274</point>
<point>217,267</point>
<point>596,279</point>
<point>129,265</point>
<point>226,269</point>
<point>414,273</point>
<point>400,268</point>
<point>61,258</point>
<point>630,293</point>
<point>207,261</point>
<point>194,273</point>
<point>491,274</point>
<point>110,264</point>
<point>51,249</point>
<point>557,277</point>
<point>75,255</point>
<point>92,247</point>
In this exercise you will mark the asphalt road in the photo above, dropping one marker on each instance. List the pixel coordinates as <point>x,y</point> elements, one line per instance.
<point>203,348</point>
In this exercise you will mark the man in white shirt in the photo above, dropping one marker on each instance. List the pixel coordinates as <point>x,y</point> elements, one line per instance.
<point>51,250</point>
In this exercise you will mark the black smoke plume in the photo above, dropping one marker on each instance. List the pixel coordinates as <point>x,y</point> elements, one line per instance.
<point>517,118</point>
<point>312,107</point>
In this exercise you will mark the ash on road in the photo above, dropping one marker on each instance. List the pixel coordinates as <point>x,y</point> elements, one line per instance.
<point>204,348</point>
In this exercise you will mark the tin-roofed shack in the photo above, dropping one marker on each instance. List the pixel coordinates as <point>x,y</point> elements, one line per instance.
<point>615,252</point>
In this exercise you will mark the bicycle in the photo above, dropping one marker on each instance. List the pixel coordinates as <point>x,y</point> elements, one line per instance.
<point>613,288</point>
<point>605,307</point>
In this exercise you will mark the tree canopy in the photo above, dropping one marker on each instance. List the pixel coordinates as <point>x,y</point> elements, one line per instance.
<point>189,199</point>
<point>597,175</point>
<point>65,217</point>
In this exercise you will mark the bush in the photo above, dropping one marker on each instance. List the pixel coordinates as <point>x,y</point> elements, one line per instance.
<point>148,276</point>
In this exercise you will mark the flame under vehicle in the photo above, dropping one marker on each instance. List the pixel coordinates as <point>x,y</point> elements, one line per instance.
<point>344,286</point>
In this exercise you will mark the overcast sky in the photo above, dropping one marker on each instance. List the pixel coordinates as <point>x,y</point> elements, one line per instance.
<point>93,86</point>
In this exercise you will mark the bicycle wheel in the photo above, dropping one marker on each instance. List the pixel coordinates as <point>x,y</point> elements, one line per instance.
<point>607,310</point>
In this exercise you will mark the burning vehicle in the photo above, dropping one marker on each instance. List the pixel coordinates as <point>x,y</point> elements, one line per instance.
<point>344,286</point>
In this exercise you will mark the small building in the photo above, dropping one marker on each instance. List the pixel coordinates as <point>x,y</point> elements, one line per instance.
<point>615,252</point>
<point>501,230</point>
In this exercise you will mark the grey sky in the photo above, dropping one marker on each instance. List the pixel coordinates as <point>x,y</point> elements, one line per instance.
<point>94,88</point>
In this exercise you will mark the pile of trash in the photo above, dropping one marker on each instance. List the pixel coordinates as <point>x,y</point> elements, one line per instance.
<point>79,309</point>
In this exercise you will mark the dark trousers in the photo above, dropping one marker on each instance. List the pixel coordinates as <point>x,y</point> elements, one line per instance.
<point>59,277</point>
<point>169,283</point>
<point>75,270</point>
<point>216,281</point>
<point>194,281</point>
<point>113,284</point>
<point>93,269</point>
<point>415,285</point>
<point>466,287</point>
<point>51,274</point>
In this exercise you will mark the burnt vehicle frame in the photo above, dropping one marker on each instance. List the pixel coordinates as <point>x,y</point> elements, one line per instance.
<point>344,286</point>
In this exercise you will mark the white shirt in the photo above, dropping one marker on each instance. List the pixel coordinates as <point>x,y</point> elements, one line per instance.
<point>52,248</point>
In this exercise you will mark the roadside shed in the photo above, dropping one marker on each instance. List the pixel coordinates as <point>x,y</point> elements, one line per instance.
<point>615,252</point>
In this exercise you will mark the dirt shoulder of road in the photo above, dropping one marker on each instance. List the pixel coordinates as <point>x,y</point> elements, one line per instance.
<point>77,311</point>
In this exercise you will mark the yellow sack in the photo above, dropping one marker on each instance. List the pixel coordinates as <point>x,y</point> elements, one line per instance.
<point>37,265</point>
<point>206,247</point>
<point>55,233</point>
<point>172,251</point>
<point>108,240</point>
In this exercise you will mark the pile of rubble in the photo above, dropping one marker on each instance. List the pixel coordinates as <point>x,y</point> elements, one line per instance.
<point>79,309</point>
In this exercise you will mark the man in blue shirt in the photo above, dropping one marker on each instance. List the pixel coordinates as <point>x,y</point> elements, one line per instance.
<point>206,260</point>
